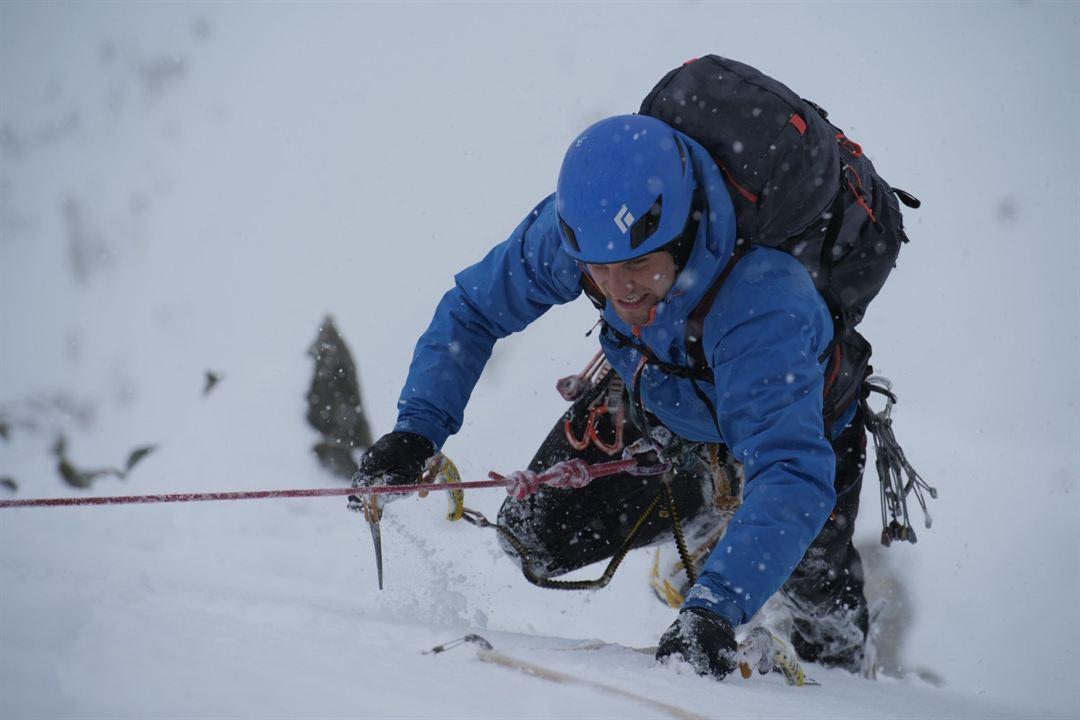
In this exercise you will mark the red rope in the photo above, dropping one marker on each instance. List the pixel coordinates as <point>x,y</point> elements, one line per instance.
<point>598,470</point>
<point>250,495</point>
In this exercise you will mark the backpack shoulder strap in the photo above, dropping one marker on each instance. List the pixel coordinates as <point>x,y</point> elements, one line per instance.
<point>593,291</point>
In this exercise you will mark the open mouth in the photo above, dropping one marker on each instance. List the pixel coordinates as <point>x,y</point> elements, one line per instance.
<point>632,302</point>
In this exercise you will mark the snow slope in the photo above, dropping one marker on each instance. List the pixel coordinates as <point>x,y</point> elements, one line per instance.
<point>193,186</point>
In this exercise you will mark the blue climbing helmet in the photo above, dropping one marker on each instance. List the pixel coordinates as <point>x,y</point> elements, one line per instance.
<point>627,189</point>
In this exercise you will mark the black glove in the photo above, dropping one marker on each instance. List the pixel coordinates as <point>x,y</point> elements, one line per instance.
<point>664,446</point>
<point>396,458</point>
<point>703,639</point>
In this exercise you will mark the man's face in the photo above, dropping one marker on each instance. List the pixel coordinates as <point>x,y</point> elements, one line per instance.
<point>634,287</point>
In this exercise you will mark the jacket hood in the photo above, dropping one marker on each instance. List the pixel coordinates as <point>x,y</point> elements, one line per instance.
<point>712,249</point>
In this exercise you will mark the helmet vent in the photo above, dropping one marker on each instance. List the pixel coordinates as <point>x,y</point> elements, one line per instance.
<point>647,224</point>
<point>569,233</point>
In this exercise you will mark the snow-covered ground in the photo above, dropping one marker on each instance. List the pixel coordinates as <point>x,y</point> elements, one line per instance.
<point>187,187</point>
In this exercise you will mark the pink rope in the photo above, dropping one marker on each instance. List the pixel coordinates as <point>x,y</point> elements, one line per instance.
<point>251,495</point>
<point>599,470</point>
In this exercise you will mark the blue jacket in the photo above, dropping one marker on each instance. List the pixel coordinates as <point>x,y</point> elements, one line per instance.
<point>763,336</point>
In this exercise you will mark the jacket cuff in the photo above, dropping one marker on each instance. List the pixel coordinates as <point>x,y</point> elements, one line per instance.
<point>432,432</point>
<point>718,600</point>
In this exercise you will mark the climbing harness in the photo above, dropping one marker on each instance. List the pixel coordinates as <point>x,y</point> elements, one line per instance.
<point>667,447</point>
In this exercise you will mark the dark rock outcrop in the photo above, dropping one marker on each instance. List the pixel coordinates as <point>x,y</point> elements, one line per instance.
<point>335,408</point>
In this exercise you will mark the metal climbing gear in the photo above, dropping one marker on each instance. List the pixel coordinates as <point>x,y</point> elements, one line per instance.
<point>372,509</point>
<point>892,467</point>
<point>610,403</point>
<point>572,387</point>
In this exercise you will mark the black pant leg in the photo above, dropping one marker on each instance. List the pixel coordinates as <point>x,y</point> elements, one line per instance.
<point>564,530</point>
<point>825,592</point>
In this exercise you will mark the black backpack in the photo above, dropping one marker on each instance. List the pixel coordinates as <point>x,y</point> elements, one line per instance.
<point>798,184</point>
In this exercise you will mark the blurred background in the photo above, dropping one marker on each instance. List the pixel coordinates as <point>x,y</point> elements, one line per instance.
<point>193,187</point>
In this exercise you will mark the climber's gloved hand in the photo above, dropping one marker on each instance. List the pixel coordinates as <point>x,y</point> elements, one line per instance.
<point>396,458</point>
<point>703,639</point>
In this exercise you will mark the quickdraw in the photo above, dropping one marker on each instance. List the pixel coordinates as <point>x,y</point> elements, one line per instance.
<point>574,386</point>
<point>591,436</point>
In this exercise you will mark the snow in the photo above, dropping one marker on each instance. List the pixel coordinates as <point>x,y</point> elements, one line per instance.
<point>187,187</point>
